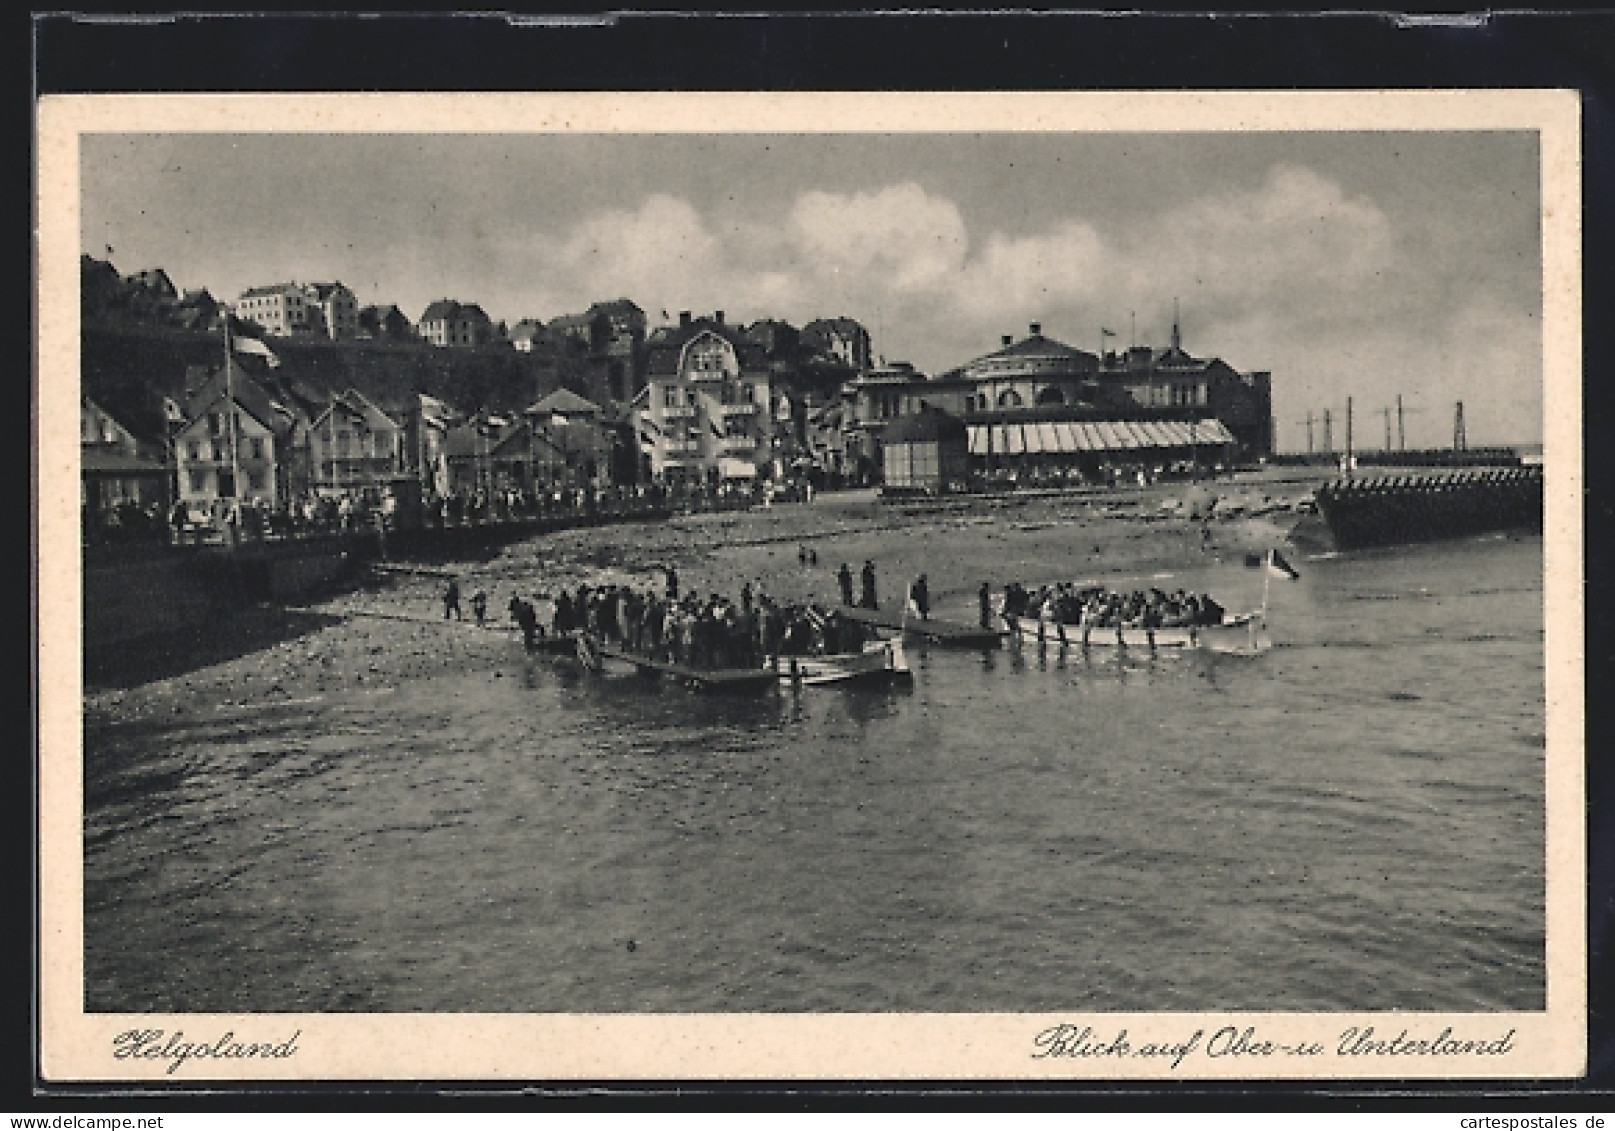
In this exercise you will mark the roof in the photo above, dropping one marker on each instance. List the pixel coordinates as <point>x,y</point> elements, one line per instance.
<point>929,425</point>
<point>325,290</point>
<point>564,401</point>
<point>616,306</point>
<point>1066,437</point>
<point>250,395</point>
<point>357,404</point>
<point>272,289</point>
<point>1037,345</point>
<point>101,461</point>
<point>448,309</point>
<point>664,347</point>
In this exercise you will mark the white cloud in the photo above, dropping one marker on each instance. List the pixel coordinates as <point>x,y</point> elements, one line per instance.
<point>1293,275</point>
<point>900,236</point>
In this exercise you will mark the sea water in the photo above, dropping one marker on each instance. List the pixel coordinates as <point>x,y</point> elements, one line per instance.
<point>1354,820</point>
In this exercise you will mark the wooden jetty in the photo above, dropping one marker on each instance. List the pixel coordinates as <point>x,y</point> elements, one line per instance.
<point>946,633</point>
<point>702,679</point>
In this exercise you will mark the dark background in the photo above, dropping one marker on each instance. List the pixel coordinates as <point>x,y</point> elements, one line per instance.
<point>648,51</point>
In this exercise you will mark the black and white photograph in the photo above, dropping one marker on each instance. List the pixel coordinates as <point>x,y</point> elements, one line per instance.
<point>1075,585</point>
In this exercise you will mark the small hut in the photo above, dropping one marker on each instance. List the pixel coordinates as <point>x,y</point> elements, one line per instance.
<point>925,451</point>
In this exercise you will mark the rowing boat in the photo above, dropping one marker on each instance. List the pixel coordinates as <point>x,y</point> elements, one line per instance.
<point>1244,634</point>
<point>879,660</point>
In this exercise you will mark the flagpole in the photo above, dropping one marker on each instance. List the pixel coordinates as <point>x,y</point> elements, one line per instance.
<point>230,398</point>
<point>1267,581</point>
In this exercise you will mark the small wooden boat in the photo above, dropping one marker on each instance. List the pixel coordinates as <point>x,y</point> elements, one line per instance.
<point>879,660</point>
<point>1243,634</point>
<point>601,658</point>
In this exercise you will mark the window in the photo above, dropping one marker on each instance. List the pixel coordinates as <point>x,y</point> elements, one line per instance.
<point>215,424</point>
<point>193,450</point>
<point>198,481</point>
<point>748,393</point>
<point>255,480</point>
<point>670,396</point>
<point>257,447</point>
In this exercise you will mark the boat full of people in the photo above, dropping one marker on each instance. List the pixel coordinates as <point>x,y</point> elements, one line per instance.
<point>713,639</point>
<point>1096,616</point>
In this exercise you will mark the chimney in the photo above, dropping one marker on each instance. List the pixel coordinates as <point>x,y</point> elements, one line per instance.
<point>1036,328</point>
<point>1008,339</point>
<point>717,316</point>
<point>684,318</point>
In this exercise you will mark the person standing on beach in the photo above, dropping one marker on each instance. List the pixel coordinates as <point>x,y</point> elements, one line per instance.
<point>984,604</point>
<point>479,607</point>
<point>869,601</point>
<point>920,594</point>
<point>844,578</point>
<point>672,583</point>
<point>451,600</point>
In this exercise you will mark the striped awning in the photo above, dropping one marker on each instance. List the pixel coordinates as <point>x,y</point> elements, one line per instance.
<point>1069,437</point>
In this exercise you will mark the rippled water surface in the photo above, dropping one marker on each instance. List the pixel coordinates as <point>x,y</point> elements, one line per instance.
<point>1354,820</point>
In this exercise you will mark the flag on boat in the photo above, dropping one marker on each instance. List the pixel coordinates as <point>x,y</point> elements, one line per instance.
<point>257,349</point>
<point>1278,567</point>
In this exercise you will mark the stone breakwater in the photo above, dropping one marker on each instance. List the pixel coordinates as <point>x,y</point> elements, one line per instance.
<point>1390,510</point>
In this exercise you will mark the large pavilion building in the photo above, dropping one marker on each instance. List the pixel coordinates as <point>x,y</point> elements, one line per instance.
<point>1037,405</point>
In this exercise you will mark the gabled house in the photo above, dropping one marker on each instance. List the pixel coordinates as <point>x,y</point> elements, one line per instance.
<point>236,445</point>
<point>468,451</point>
<point>568,431</point>
<point>385,322</point>
<point>354,445</point>
<point>117,471</point>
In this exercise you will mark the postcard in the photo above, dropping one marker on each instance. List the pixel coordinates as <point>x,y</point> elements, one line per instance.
<point>1041,586</point>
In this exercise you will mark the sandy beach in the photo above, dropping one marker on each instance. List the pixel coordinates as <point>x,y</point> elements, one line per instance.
<point>387,629</point>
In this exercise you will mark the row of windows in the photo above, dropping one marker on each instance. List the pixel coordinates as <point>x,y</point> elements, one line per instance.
<point>220,449</point>
<point>256,481</point>
<point>742,393</point>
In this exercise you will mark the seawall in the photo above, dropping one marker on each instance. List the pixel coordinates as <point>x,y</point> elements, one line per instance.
<point>1390,510</point>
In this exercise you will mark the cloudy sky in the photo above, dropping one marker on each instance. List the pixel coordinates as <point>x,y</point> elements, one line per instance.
<point>1361,265</point>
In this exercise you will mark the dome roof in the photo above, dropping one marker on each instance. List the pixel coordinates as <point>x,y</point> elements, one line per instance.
<point>929,425</point>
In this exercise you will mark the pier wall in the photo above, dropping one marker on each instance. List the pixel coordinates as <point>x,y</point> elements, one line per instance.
<point>1392,510</point>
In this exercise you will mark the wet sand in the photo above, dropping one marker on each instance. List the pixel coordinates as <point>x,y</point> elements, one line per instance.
<point>389,630</point>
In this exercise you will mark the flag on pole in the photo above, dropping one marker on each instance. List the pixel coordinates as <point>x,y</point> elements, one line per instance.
<point>1106,333</point>
<point>257,349</point>
<point>1278,567</point>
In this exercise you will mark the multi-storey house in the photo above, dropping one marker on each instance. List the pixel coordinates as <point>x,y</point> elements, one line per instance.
<point>447,322</point>
<point>325,310</point>
<point>235,445</point>
<point>354,446</point>
<point>705,413</point>
<point>116,469</point>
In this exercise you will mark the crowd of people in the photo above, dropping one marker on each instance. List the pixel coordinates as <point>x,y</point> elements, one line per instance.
<point>1099,607</point>
<point>711,632</point>
<point>328,511</point>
